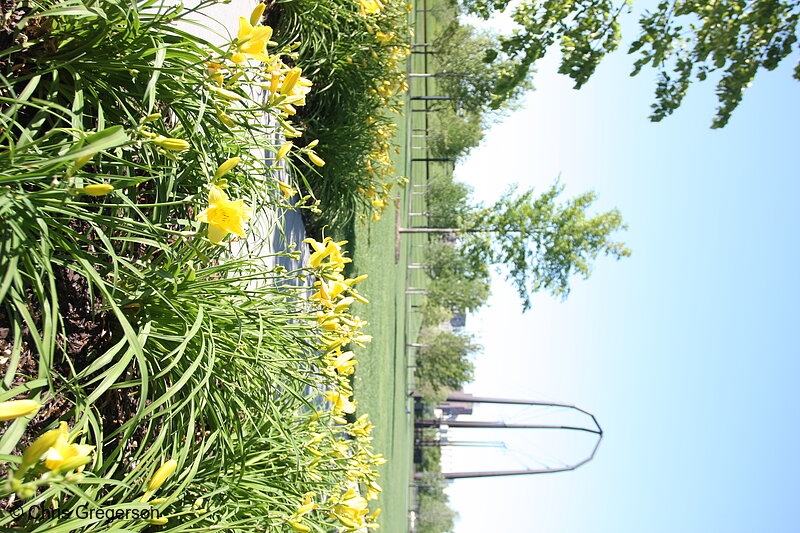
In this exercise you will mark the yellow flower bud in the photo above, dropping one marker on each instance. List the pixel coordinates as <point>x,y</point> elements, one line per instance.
<point>275,78</point>
<point>283,151</point>
<point>152,117</point>
<point>297,526</point>
<point>227,165</point>
<point>225,93</point>
<point>162,474</point>
<point>157,521</point>
<point>79,163</point>
<point>169,143</point>
<point>17,408</point>
<point>77,462</point>
<point>255,16</point>
<point>317,160</point>
<point>225,119</point>
<point>96,189</point>
<point>290,80</point>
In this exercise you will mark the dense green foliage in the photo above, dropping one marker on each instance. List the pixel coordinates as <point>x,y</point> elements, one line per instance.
<point>453,134</point>
<point>458,294</point>
<point>434,514</point>
<point>126,143</point>
<point>443,361</point>
<point>356,60</point>
<point>448,202</point>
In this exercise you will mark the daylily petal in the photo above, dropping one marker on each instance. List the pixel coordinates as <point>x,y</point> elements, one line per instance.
<point>245,29</point>
<point>216,232</point>
<point>216,195</point>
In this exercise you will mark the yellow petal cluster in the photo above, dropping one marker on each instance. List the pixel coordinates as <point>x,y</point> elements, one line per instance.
<point>352,511</point>
<point>369,7</point>
<point>223,215</point>
<point>287,190</point>
<point>341,402</point>
<point>249,63</point>
<point>251,41</point>
<point>62,454</point>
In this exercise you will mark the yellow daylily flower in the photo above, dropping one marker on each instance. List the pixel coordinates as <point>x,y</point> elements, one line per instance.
<point>316,258</point>
<point>351,510</point>
<point>384,38</point>
<point>328,247</point>
<point>287,190</point>
<point>252,42</point>
<point>223,215</point>
<point>63,454</point>
<point>341,404</point>
<point>361,427</point>
<point>344,363</point>
<point>369,7</point>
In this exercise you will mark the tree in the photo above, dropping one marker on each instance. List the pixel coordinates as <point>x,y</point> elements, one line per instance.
<point>434,515</point>
<point>458,294</point>
<point>467,64</point>
<point>686,40</point>
<point>444,358</point>
<point>433,315</point>
<point>446,262</point>
<point>543,243</point>
<point>454,134</point>
<point>448,201</point>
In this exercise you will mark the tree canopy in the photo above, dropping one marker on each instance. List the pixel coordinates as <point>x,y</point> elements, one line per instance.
<point>541,242</point>
<point>444,360</point>
<point>685,40</point>
<point>467,66</point>
<point>454,133</point>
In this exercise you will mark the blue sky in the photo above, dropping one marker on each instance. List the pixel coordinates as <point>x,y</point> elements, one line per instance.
<point>685,351</point>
